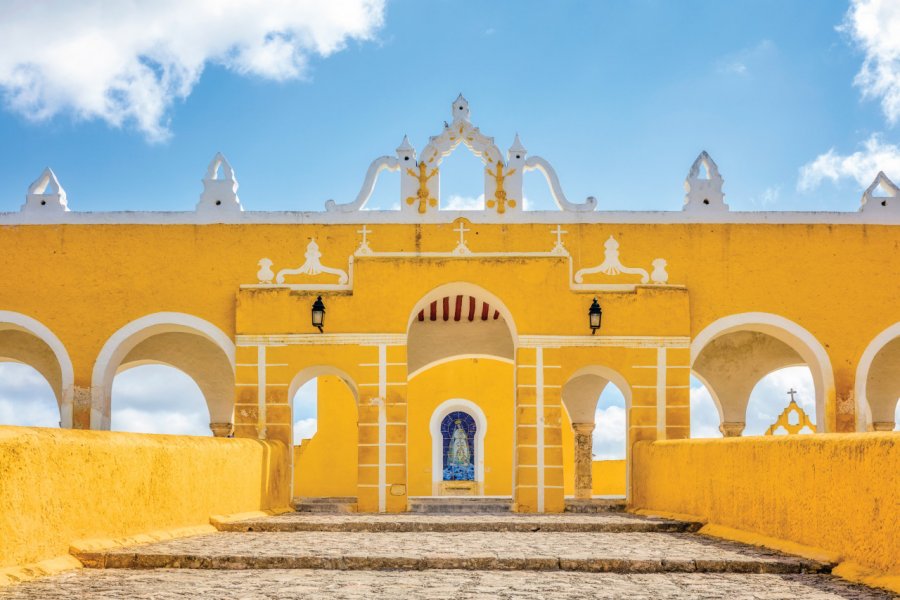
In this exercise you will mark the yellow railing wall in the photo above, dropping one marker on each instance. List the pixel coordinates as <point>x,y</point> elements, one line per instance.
<point>839,493</point>
<point>608,477</point>
<point>61,486</point>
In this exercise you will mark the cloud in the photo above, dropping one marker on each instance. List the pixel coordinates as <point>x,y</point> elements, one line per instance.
<point>862,165</point>
<point>746,61</point>
<point>874,25</point>
<point>768,198</point>
<point>609,433</point>
<point>304,429</point>
<point>457,202</point>
<point>26,398</point>
<point>769,398</point>
<point>158,399</point>
<point>126,63</point>
<point>704,416</point>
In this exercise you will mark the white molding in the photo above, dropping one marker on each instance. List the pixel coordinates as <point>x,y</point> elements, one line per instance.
<point>620,341</point>
<point>127,337</point>
<point>66,394</point>
<point>437,453</point>
<point>456,357</point>
<point>801,340</point>
<point>863,410</point>
<point>322,339</point>
<point>464,288</point>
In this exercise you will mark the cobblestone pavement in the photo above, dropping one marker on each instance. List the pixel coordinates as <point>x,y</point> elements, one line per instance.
<point>610,522</point>
<point>619,552</point>
<point>180,584</point>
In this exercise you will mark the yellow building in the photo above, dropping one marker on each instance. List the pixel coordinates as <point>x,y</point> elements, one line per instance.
<point>456,353</point>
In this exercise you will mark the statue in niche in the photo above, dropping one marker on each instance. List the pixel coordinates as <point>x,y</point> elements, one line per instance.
<point>459,447</point>
<point>458,430</point>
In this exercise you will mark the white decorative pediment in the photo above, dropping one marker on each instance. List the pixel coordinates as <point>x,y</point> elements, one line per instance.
<point>882,196</point>
<point>420,180</point>
<point>45,195</point>
<point>311,267</point>
<point>219,188</point>
<point>612,266</point>
<point>703,186</point>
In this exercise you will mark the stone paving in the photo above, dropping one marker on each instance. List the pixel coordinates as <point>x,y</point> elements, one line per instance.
<point>610,522</point>
<point>614,552</point>
<point>186,584</point>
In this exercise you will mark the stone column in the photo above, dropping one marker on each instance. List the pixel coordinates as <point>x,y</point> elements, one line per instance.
<point>583,460</point>
<point>732,429</point>
<point>883,426</point>
<point>221,429</point>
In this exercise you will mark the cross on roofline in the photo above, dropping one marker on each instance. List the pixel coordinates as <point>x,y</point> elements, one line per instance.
<point>365,231</point>
<point>462,233</point>
<point>791,393</point>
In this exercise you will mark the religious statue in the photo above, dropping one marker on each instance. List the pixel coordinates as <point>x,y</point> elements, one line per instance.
<point>459,454</point>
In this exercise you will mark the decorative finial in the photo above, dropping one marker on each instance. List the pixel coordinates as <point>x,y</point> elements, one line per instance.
<point>219,187</point>
<point>45,194</point>
<point>460,109</point>
<point>704,193</point>
<point>889,198</point>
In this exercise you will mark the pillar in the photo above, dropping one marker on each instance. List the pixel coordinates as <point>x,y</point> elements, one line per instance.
<point>583,460</point>
<point>883,426</point>
<point>732,429</point>
<point>221,429</point>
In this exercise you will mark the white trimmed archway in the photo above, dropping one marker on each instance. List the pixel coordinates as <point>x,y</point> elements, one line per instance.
<point>437,440</point>
<point>63,383</point>
<point>790,334</point>
<point>136,343</point>
<point>864,370</point>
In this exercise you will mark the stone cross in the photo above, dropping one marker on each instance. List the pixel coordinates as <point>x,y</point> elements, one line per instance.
<point>791,393</point>
<point>559,233</point>
<point>462,233</point>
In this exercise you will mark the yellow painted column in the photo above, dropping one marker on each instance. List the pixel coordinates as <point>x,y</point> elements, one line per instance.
<point>678,393</point>
<point>643,422</point>
<point>246,402</point>
<point>583,460</point>
<point>525,494</point>
<point>549,371</point>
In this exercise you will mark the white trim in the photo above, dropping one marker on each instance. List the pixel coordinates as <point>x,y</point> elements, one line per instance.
<point>372,217</point>
<point>437,440</point>
<point>130,335</point>
<point>309,373</point>
<point>620,341</point>
<point>802,341</point>
<point>261,397</point>
<point>539,419</point>
<point>863,410</point>
<point>66,395</point>
<point>323,339</point>
<point>455,357</point>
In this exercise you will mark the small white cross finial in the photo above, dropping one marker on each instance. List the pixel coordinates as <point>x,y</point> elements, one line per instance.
<point>559,248</point>
<point>364,244</point>
<point>462,233</point>
<point>791,393</point>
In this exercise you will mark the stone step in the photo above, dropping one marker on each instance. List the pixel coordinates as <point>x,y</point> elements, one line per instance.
<point>460,504</point>
<point>597,504</point>
<point>561,551</point>
<point>333,504</point>
<point>408,522</point>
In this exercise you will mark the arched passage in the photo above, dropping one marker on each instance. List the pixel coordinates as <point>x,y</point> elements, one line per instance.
<point>26,340</point>
<point>461,351</point>
<point>153,397</point>
<point>878,382</point>
<point>580,395</point>
<point>732,354</point>
<point>325,457</point>
<point>190,344</point>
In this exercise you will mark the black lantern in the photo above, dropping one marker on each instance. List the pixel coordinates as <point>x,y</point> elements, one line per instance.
<point>594,314</point>
<point>318,313</point>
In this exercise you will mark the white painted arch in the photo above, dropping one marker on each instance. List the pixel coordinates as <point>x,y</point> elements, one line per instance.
<point>801,340</point>
<point>310,373</point>
<point>464,288</point>
<point>125,339</point>
<point>863,410</point>
<point>65,396</point>
<point>437,450</point>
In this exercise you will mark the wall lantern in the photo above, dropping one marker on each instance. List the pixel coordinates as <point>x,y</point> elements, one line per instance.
<point>318,314</point>
<point>594,314</point>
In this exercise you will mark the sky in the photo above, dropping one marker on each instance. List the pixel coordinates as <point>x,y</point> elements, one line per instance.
<point>798,102</point>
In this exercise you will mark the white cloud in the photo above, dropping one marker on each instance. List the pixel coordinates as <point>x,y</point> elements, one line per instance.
<point>769,398</point>
<point>457,202</point>
<point>875,27</point>
<point>749,59</point>
<point>704,416</point>
<point>26,398</point>
<point>609,433</point>
<point>304,429</point>
<point>158,399</point>
<point>127,62</point>
<point>862,166</point>
<point>768,198</point>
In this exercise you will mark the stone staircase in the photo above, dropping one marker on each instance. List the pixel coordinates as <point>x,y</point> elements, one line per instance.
<point>450,505</point>
<point>439,552</point>
<point>334,504</point>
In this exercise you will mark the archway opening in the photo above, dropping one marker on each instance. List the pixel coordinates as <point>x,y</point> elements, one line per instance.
<point>769,411</point>
<point>595,433</point>
<point>158,398</point>
<point>705,415</point>
<point>26,397</point>
<point>733,354</point>
<point>325,434</point>
<point>462,180</point>
<point>879,378</point>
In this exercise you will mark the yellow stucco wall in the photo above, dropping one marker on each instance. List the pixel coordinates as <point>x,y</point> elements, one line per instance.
<point>326,466</point>
<point>608,477</point>
<point>489,384</point>
<point>59,486</point>
<point>836,492</point>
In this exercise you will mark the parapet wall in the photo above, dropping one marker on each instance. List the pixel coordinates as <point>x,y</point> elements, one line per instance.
<point>835,492</point>
<point>60,486</point>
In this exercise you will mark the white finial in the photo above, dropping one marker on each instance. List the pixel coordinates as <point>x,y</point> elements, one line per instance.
<point>219,188</point>
<point>265,274</point>
<point>461,248</point>
<point>405,146</point>
<point>516,153</point>
<point>460,109</point>
<point>888,200</point>
<point>559,248</point>
<point>45,194</point>
<point>704,193</point>
<point>517,145</point>
<point>364,247</point>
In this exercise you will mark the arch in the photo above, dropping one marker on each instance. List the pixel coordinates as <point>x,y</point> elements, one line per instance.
<point>464,288</point>
<point>122,342</point>
<point>863,408</point>
<point>788,332</point>
<point>310,373</point>
<point>66,392</point>
<point>712,394</point>
<point>437,449</point>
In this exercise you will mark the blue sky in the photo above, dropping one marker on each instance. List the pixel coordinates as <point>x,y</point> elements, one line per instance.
<point>797,102</point>
<point>619,96</point>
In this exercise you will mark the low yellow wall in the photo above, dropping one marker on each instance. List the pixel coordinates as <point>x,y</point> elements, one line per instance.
<point>608,477</point>
<point>837,492</point>
<point>59,486</point>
